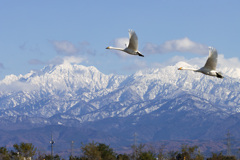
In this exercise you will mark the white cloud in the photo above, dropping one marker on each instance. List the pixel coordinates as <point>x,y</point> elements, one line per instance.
<point>67,59</point>
<point>229,63</point>
<point>180,45</point>
<point>15,85</point>
<point>65,47</point>
<point>59,60</point>
<point>73,59</point>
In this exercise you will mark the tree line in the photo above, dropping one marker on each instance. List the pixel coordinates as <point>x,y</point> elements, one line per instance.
<point>101,151</point>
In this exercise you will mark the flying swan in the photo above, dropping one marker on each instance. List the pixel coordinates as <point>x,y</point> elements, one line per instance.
<point>132,47</point>
<point>210,66</point>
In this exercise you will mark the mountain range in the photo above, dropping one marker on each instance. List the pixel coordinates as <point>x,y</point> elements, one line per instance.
<point>75,102</point>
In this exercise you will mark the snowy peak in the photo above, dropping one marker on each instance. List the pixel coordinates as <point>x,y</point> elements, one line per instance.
<point>182,64</point>
<point>159,100</point>
<point>85,94</point>
<point>63,77</point>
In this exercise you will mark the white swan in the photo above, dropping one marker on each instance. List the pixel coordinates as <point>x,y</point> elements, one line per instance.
<point>132,47</point>
<point>210,66</point>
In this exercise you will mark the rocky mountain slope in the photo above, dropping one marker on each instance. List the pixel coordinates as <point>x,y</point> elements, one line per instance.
<point>158,104</point>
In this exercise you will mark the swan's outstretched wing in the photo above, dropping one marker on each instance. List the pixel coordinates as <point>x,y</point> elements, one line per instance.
<point>212,59</point>
<point>133,40</point>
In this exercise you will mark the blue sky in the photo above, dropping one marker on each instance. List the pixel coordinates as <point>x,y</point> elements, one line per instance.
<point>34,34</point>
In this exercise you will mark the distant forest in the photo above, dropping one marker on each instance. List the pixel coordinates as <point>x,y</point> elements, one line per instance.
<point>101,151</point>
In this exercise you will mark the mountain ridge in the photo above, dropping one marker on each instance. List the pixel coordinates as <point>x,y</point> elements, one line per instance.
<point>77,83</point>
<point>158,104</point>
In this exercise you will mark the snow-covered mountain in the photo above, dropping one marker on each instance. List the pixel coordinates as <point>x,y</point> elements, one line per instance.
<point>85,94</point>
<point>159,104</point>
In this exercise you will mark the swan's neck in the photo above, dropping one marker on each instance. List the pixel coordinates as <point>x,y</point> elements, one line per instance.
<point>120,49</point>
<point>190,69</point>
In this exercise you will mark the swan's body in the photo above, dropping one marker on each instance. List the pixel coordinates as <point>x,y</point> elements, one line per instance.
<point>210,66</point>
<point>132,48</point>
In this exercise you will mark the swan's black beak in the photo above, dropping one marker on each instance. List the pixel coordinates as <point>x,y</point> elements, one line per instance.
<point>107,48</point>
<point>180,68</point>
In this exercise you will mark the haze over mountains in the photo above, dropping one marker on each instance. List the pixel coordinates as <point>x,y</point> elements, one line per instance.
<point>158,104</point>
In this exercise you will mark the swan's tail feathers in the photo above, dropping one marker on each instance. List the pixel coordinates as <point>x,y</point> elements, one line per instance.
<point>219,75</point>
<point>140,54</point>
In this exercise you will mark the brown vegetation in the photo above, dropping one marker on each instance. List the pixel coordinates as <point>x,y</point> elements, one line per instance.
<point>100,151</point>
